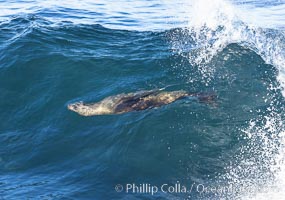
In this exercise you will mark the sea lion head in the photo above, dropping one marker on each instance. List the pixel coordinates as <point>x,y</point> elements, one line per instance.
<point>78,107</point>
<point>88,109</point>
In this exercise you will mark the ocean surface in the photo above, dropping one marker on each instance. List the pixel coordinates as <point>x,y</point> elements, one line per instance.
<point>54,53</point>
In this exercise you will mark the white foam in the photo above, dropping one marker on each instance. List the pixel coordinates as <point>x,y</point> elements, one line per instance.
<point>212,26</point>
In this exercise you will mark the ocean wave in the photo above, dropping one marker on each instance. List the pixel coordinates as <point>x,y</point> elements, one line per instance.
<point>51,55</point>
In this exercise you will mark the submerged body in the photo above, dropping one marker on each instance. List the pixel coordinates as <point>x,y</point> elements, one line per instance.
<point>137,101</point>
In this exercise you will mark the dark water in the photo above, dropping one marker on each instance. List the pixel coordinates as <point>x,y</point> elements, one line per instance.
<point>49,152</point>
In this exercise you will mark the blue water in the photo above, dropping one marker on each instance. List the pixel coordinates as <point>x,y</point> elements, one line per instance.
<point>54,54</point>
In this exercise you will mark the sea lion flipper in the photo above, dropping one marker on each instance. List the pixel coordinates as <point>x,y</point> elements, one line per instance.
<point>133,101</point>
<point>142,94</point>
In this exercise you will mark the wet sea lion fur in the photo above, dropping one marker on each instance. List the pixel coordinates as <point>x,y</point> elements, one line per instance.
<point>137,101</point>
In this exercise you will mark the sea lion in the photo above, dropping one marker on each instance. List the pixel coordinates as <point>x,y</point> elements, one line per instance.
<point>137,101</point>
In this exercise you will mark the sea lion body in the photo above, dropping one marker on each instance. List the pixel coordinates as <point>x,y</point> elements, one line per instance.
<point>123,103</point>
